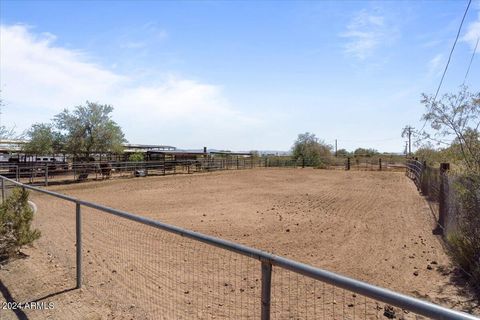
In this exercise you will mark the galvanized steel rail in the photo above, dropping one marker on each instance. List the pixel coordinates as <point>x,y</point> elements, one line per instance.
<point>266,259</point>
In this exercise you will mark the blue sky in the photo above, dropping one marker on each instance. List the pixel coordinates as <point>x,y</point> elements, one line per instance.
<point>236,75</point>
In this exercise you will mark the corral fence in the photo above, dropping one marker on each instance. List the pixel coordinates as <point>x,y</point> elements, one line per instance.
<point>361,163</point>
<point>51,173</point>
<point>437,185</point>
<point>64,172</point>
<point>151,270</point>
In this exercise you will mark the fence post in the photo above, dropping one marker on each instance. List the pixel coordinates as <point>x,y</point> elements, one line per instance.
<point>422,179</point>
<point>3,190</point>
<point>17,173</point>
<point>78,232</point>
<point>380,164</point>
<point>444,167</point>
<point>46,174</point>
<point>348,163</point>
<point>266,289</point>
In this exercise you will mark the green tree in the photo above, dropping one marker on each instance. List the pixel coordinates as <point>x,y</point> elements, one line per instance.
<point>365,152</point>
<point>90,129</point>
<point>309,148</point>
<point>42,140</point>
<point>15,218</point>
<point>7,133</point>
<point>136,157</point>
<point>342,153</point>
<point>458,116</point>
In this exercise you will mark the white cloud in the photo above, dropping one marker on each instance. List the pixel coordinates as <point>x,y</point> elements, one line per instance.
<point>473,33</point>
<point>39,79</point>
<point>366,32</point>
<point>435,65</point>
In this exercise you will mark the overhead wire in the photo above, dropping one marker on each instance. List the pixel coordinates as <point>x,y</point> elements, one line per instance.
<point>451,51</point>
<point>450,57</point>
<point>471,60</point>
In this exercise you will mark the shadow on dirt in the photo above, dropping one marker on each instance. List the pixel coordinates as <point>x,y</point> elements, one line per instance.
<point>13,305</point>
<point>470,301</point>
<point>10,301</point>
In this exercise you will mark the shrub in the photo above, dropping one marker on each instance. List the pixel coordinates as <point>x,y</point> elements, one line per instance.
<point>136,157</point>
<point>465,242</point>
<point>309,148</point>
<point>15,218</point>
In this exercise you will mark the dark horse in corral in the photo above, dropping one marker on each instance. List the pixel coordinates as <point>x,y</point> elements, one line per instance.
<point>106,169</point>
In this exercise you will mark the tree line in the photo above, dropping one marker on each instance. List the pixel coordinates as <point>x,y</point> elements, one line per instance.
<point>316,152</point>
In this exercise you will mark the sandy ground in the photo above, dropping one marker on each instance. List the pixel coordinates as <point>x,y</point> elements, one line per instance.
<point>372,226</point>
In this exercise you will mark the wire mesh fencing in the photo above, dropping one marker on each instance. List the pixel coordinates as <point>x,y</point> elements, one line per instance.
<point>151,274</point>
<point>135,267</point>
<point>437,185</point>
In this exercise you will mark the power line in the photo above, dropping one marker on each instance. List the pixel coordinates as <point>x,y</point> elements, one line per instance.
<point>365,141</point>
<point>451,51</point>
<point>471,60</point>
<point>449,58</point>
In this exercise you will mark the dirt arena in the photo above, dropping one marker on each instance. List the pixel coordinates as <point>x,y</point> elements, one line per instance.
<point>372,226</point>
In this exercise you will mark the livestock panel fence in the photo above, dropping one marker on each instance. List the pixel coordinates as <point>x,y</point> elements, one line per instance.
<point>360,163</point>
<point>52,173</point>
<point>438,186</point>
<point>146,269</point>
<point>46,173</point>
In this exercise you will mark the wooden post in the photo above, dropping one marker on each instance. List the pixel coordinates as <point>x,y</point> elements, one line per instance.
<point>163,164</point>
<point>380,164</point>
<point>46,174</point>
<point>442,207</point>
<point>424,186</point>
<point>348,163</point>
<point>3,190</point>
<point>266,290</point>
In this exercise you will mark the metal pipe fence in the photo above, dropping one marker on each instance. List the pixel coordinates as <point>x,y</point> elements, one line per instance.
<point>155,270</point>
<point>61,173</point>
<point>341,162</point>
<point>51,173</point>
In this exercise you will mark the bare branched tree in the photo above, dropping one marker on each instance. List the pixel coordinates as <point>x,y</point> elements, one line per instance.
<point>456,116</point>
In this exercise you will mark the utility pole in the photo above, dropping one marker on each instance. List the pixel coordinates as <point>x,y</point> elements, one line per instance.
<point>407,132</point>
<point>335,147</point>
<point>409,141</point>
